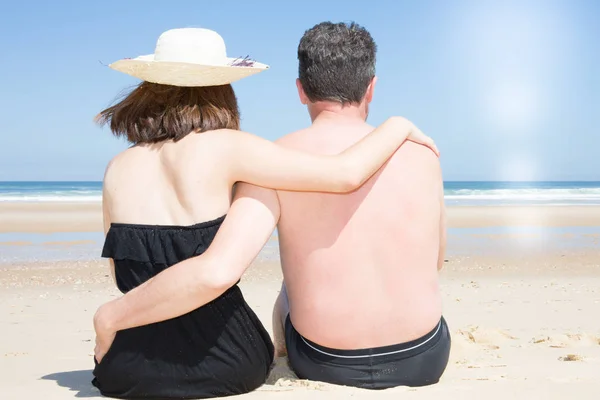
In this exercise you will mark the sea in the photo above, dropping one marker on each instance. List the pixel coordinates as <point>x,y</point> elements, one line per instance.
<point>457,193</point>
<point>43,246</point>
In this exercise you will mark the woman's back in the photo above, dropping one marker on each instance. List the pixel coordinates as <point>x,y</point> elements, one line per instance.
<point>160,203</point>
<point>168,183</point>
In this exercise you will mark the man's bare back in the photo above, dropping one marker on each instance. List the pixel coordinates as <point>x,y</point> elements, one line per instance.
<point>361,269</point>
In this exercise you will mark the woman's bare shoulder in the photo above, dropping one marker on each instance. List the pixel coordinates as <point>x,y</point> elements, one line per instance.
<point>218,142</point>
<point>222,135</point>
<point>116,165</point>
<point>121,159</point>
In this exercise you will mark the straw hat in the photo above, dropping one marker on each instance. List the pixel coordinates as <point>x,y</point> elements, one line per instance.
<point>189,57</point>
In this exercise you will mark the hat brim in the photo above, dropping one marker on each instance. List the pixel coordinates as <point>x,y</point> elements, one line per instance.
<point>185,74</point>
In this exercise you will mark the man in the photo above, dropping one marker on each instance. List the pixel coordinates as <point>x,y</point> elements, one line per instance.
<point>360,269</point>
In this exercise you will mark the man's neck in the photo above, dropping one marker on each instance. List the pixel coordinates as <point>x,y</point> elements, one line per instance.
<point>330,111</point>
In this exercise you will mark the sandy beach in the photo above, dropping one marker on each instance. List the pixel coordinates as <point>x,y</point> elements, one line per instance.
<point>41,217</point>
<point>521,290</point>
<point>87,217</point>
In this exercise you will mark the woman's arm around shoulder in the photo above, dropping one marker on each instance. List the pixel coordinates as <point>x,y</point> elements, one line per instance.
<point>252,159</point>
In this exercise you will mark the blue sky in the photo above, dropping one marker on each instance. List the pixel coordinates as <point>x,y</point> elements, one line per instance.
<point>509,90</point>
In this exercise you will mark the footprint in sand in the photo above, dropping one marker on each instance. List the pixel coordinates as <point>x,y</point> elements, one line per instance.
<point>562,341</point>
<point>551,342</point>
<point>571,357</point>
<point>488,338</point>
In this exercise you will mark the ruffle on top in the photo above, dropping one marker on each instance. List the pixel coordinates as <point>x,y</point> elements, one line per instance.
<point>141,252</point>
<point>159,244</point>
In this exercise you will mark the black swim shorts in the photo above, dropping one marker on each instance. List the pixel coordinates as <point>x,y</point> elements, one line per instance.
<point>420,362</point>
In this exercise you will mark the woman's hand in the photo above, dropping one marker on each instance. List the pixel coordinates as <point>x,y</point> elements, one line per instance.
<point>415,135</point>
<point>104,335</point>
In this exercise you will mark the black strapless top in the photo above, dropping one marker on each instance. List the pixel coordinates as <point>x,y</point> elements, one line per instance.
<point>218,349</point>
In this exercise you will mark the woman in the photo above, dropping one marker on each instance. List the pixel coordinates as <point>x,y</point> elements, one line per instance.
<point>166,196</point>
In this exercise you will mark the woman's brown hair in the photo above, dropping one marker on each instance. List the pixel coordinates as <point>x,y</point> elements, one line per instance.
<point>152,112</point>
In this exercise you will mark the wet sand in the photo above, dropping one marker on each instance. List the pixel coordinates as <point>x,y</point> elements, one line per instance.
<point>50,217</point>
<point>87,217</point>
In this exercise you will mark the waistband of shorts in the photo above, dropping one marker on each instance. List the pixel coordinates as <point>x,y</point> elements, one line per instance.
<point>401,350</point>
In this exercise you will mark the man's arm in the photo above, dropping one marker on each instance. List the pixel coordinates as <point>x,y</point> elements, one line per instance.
<point>192,283</point>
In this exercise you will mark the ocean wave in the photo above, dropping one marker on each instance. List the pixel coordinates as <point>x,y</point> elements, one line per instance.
<point>455,193</point>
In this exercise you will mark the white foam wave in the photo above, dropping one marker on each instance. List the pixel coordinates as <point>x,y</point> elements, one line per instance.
<point>545,195</point>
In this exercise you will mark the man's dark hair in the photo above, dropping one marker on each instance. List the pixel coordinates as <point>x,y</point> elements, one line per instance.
<point>336,62</point>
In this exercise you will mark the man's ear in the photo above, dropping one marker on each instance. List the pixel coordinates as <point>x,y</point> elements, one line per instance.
<point>371,90</point>
<point>303,98</point>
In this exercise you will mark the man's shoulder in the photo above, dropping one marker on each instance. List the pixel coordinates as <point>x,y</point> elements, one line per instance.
<point>418,153</point>
<point>294,139</point>
<point>325,140</point>
<point>417,161</point>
